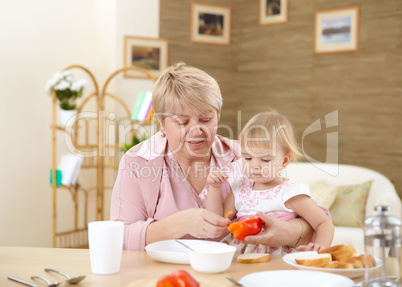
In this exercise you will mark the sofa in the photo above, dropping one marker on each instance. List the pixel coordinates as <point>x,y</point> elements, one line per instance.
<point>350,193</point>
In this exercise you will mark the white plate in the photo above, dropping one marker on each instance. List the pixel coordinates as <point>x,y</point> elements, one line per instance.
<point>351,273</point>
<point>172,252</point>
<point>299,278</point>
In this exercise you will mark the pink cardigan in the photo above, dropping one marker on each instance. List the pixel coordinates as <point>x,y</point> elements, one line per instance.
<point>148,186</point>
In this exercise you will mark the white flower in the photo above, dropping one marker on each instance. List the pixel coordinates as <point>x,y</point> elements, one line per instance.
<point>62,85</point>
<point>77,85</point>
<point>70,77</point>
<point>49,86</point>
<point>70,84</point>
<point>56,77</point>
<point>83,83</point>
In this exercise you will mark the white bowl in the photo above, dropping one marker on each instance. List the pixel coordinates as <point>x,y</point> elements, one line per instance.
<point>214,258</point>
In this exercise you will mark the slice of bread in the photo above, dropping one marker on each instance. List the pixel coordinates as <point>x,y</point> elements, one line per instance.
<point>370,262</point>
<point>355,262</point>
<point>344,265</point>
<point>314,260</point>
<point>343,254</point>
<point>332,264</point>
<point>336,248</point>
<point>253,258</point>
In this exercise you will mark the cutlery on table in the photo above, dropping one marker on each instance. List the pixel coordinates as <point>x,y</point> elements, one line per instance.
<point>70,280</point>
<point>234,281</point>
<point>49,284</point>
<point>185,245</point>
<point>21,281</point>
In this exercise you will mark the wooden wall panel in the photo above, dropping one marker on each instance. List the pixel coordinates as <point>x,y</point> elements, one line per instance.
<point>275,67</point>
<point>218,60</point>
<point>365,87</point>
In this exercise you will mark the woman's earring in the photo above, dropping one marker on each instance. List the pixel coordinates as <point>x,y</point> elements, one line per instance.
<point>163,134</point>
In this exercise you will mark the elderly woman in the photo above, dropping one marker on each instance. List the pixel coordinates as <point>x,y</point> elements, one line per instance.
<point>160,190</point>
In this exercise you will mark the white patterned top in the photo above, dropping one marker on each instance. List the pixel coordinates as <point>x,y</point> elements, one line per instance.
<point>270,201</point>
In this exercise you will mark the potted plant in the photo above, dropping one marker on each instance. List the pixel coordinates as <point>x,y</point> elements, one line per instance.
<point>136,140</point>
<point>68,88</point>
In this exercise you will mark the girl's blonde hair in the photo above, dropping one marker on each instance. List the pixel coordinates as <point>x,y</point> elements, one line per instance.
<point>270,130</point>
<point>185,86</point>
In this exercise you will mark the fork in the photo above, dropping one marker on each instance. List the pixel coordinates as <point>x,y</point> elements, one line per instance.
<point>234,281</point>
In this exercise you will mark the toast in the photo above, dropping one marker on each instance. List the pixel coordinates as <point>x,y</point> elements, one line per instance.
<point>341,256</point>
<point>336,248</point>
<point>253,258</point>
<point>314,260</point>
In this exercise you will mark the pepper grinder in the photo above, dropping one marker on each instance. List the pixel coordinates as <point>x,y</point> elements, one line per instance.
<point>382,243</point>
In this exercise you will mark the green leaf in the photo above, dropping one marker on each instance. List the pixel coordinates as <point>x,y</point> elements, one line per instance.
<point>136,140</point>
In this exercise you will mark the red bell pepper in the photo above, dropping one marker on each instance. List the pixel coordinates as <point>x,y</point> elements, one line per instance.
<point>251,226</point>
<point>182,278</point>
<point>165,281</point>
<point>179,278</point>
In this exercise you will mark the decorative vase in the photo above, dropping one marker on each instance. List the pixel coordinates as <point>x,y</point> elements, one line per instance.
<point>66,117</point>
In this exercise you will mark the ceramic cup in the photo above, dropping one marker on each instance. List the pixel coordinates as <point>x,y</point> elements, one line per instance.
<point>105,246</point>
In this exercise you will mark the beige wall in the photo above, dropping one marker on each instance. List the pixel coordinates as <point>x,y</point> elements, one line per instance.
<point>275,67</point>
<point>38,38</point>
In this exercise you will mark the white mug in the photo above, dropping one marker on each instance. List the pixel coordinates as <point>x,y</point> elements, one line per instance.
<point>105,246</point>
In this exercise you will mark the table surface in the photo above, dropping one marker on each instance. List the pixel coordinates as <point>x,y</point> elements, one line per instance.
<point>24,262</point>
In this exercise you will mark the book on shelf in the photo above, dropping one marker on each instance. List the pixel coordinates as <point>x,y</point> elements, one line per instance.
<point>70,165</point>
<point>58,177</point>
<point>149,114</point>
<point>137,106</point>
<point>143,107</point>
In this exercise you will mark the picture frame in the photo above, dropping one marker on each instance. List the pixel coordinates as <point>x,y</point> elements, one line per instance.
<point>273,12</point>
<point>210,23</point>
<point>150,54</point>
<point>337,30</point>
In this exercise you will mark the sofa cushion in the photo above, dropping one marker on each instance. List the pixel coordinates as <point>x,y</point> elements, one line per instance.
<point>324,193</point>
<point>350,204</point>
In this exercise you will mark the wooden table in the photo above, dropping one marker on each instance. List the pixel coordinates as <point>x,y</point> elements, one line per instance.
<point>24,262</point>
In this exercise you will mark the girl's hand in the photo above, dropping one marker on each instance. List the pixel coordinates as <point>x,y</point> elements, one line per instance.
<point>216,177</point>
<point>202,223</point>
<point>310,247</point>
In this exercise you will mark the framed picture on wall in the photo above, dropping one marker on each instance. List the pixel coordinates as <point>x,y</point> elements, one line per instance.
<point>337,30</point>
<point>273,12</point>
<point>148,53</point>
<point>210,24</point>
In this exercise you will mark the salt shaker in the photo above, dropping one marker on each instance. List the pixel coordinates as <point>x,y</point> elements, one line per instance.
<point>382,243</point>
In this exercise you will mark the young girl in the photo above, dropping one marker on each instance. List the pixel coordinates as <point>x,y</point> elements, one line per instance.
<point>257,182</point>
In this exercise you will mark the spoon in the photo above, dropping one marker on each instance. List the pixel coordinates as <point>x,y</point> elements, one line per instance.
<point>49,284</point>
<point>69,280</point>
<point>21,281</point>
<point>185,245</point>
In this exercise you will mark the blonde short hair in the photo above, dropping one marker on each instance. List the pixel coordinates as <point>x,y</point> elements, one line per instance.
<point>269,130</point>
<point>185,86</point>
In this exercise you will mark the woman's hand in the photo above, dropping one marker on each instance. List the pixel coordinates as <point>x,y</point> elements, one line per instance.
<point>202,223</point>
<point>279,232</point>
<point>197,222</point>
